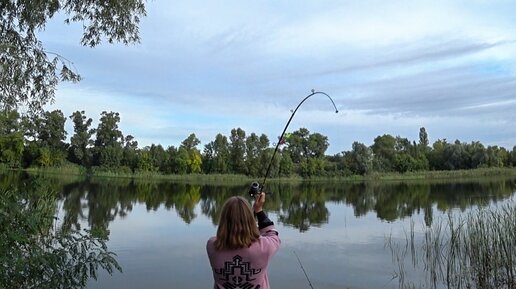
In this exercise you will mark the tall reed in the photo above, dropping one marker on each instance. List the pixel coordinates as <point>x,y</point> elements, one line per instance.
<point>473,250</point>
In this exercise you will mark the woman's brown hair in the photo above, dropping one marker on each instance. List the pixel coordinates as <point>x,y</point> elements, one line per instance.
<point>237,227</point>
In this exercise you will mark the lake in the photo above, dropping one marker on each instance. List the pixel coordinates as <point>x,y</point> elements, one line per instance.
<point>159,229</point>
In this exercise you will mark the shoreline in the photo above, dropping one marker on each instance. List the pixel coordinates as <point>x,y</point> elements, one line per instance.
<point>208,178</point>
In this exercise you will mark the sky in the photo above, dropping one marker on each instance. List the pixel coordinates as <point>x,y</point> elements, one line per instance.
<point>206,67</point>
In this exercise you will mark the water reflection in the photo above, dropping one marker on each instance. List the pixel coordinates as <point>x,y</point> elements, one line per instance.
<point>98,202</point>
<point>34,251</point>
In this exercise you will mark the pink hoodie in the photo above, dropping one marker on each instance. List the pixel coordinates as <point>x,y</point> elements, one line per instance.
<point>244,268</point>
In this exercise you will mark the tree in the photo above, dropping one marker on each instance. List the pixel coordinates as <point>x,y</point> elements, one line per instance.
<point>405,156</point>
<point>252,144</point>
<point>190,155</point>
<point>52,131</point>
<point>423,139</point>
<point>31,124</point>
<point>110,156</point>
<point>108,142</point>
<point>286,166</point>
<point>180,161</point>
<point>80,142</point>
<point>317,145</point>
<point>171,164</point>
<point>221,150</point>
<point>384,152</point>
<point>29,73</point>
<point>9,122</point>
<point>208,157</point>
<point>130,154</point>
<point>454,156</point>
<point>312,167</point>
<point>158,157</point>
<point>237,150</point>
<point>11,139</point>
<point>264,155</point>
<point>359,159</point>
<point>304,145</point>
<point>51,134</point>
<point>496,156</point>
<point>194,162</point>
<point>307,151</point>
<point>298,144</point>
<point>436,157</point>
<point>107,133</point>
<point>477,155</point>
<point>216,155</point>
<point>513,156</point>
<point>402,145</point>
<point>11,149</point>
<point>191,142</point>
<point>145,163</point>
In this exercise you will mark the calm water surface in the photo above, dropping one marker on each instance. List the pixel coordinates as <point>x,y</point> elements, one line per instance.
<point>338,230</point>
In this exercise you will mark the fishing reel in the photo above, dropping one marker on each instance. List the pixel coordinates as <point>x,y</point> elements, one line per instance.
<point>254,190</point>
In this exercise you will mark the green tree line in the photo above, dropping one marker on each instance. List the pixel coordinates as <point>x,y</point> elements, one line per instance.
<point>39,140</point>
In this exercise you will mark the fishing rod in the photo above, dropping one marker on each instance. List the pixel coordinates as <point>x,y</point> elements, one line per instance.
<point>257,188</point>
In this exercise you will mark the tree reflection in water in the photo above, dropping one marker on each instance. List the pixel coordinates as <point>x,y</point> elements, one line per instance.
<point>99,201</point>
<point>35,251</point>
<point>304,208</point>
<point>93,204</point>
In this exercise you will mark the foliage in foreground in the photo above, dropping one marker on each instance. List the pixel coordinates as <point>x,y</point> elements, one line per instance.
<point>29,73</point>
<point>33,254</point>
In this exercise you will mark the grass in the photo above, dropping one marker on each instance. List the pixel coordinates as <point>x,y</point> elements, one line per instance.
<point>475,250</point>
<point>190,178</point>
<point>72,169</point>
<point>458,174</point>
<point>65,169</point>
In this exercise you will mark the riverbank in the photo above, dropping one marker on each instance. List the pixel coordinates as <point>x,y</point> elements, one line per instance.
<point>217,178</point>
<point>431,175</point>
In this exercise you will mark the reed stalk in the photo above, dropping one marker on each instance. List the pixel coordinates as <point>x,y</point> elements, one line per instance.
<point>475,250</point>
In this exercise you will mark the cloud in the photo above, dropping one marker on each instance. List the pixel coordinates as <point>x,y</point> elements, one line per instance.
<point>437,92</point>
<point>401,55</point>
<point>391,67</point>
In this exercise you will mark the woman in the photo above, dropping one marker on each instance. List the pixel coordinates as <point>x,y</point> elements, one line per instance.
<point>240,253</point>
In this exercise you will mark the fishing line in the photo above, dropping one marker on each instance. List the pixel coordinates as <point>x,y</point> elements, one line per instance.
<point>262,186</point>
<point>256,188</point>
<point>303,268</point>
